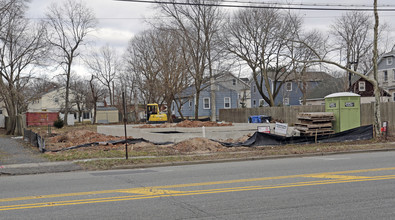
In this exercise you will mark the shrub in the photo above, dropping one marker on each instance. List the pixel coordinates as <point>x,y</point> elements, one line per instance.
<point>59,123</point>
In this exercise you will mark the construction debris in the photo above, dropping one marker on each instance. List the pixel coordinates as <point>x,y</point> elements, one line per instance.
<point>315,123</point>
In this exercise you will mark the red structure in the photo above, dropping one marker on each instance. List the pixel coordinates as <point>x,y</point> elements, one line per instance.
<point>41,118</point>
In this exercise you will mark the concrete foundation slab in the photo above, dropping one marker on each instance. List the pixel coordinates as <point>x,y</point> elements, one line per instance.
<point>177,134</point>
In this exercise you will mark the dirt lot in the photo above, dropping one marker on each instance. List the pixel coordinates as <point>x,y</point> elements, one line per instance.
<point>72,136</point>
<point>191,149</point>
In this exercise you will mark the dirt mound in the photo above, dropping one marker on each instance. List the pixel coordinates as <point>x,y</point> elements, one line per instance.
<point>198,145</point>
<point>77,137</point>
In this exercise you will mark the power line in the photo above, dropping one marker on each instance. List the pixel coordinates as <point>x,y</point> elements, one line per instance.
<point>287,7</point>
<point>308,4</point>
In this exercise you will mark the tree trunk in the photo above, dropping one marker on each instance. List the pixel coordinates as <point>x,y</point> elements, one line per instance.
<point>377,109</point>
<point>67,102</point>
<point>197,104</point>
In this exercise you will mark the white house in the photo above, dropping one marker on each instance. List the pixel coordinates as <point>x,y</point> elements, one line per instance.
<point>54,101</point>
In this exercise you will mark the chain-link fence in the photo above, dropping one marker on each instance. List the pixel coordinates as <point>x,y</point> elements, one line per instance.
<point>34,139</point>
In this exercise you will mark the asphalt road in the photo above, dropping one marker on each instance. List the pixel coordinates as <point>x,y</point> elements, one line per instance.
<point>348,186</point>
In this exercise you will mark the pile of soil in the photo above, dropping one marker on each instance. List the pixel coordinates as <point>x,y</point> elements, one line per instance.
<point>198,145</point>
<point>76,137</point>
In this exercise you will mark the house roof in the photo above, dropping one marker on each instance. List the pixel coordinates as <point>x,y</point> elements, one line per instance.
<point>310,76</point>
<point>327,87</point>
<point>106,108</point>
<point>242,80</point>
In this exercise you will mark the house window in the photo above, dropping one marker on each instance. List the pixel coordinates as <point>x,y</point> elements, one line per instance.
<point>1,111</point>
<point>254,103</point>
<point>261,102</point>
<point>286,101</point>
<point>393,96</point>
<point>190,104</point>
<point>56,100</point>
<point>206,103</point>
<point>254,88</point>
<point>389,61</point>
<point>234,82</point>
<point>86,115</point>
<point>289,86</point>
<point>361,86</point>
<point>385,75</point>
<point>393,72</point>
<point>227,102</point>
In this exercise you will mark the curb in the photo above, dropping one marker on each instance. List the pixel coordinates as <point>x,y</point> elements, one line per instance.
<point>69,166</point>
<point>182,163</point>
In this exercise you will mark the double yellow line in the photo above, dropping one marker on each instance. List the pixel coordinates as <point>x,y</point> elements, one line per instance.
<point>169,191</point>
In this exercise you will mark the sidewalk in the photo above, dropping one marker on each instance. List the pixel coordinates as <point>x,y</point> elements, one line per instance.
<point>17,158</point>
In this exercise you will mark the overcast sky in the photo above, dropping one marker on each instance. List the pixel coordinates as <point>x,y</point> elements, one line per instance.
<point>119,21</point>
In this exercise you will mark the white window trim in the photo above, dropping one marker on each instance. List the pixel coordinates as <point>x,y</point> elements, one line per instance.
<point>190,104</point>
<point>204,106</point>
<point>286,86</point>
<point>229,101</point>
<point>389,60</point>
<point>260,102</point>
<point>362,86</point>
<point>286,101</point>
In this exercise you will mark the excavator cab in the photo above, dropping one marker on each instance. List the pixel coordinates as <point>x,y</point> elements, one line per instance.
<point>154,115</point>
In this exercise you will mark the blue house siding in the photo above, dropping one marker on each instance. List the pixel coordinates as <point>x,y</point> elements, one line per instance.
<point>188,108</point>
<point>294,96</point>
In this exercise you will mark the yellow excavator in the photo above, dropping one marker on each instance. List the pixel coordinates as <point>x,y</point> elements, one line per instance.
<point>153,114</point>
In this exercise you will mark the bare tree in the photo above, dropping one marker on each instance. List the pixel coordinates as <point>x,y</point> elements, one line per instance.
<point>173,75</point>
<point>301,52</point>
<point>142,61</point>
<point>96,93</point>
<point>159,59</point>
<point>69,24</point>
<point>353,33</point>
<point>106,65</point>
<point>80,92</point>
<point>261,39</point>
<point>197,22</point>
<point>21,47</point>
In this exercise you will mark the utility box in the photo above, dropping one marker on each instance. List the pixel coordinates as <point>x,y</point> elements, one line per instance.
<point>346,107</point>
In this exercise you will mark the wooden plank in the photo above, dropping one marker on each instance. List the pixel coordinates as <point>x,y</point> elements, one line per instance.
<point>321,125</point>
<point>313,133</point>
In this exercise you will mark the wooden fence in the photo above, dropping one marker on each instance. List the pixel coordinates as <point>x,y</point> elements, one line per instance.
<point>288,113</point>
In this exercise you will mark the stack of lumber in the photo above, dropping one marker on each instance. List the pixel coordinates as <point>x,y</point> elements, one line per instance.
<point>315,123</point>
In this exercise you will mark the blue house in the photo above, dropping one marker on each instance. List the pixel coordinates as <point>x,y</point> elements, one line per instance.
<point>224,98</point>
<point>290,92</point>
